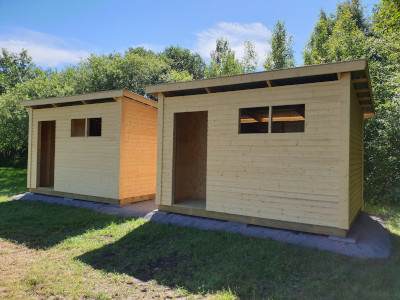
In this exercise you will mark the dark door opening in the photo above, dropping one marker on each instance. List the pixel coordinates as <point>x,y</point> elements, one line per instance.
<point>46,143</point>
<point>190,159</point>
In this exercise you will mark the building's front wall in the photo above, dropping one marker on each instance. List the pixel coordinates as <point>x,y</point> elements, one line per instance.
<point>83,165</point>
<point>294,177</point>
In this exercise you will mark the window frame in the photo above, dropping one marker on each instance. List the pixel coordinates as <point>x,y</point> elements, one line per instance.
<point>87,128</point>
<point>270,119</point>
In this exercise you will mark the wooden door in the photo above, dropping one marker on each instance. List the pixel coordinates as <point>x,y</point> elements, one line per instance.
<point>47,142</point>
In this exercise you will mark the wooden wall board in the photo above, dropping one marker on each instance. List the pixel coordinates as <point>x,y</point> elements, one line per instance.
<point>250,174</point>
<point>138,163</point>
<point>160,147</point>
<point>51,192</point>
<point>254,220</point>
<point>356,163</point>
<point>84,165</point>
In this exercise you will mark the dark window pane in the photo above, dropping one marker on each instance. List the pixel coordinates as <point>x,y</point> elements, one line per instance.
<point>94,127</point>
<point>288,118</point>
<point>254,120</point>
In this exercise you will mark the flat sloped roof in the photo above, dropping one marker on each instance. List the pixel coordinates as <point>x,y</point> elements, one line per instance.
<point>275,78</point>
<point>90,98</point>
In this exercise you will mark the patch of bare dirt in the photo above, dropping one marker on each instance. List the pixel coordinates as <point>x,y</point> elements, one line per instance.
<point>15,260</point>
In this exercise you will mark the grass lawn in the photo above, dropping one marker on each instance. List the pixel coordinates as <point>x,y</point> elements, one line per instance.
<point>51,251</point>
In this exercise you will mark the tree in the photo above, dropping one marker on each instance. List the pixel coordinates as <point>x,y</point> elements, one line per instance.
<point>223,61</point>
<point>281,54</point>
<point>250,58</point>
<point>14,68</point>
<point>347,41</point>
<point>357,12</point>
<point>350,38</point>
<point>183,60</point>
<point>387,17</point>
<point>382,134</point>
<point>133,70</point>
<point>316,50</point>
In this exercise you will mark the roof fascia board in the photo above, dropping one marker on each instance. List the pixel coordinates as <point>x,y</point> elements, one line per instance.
<point>314,70</point>
<point>74,98</point>
<point>91,96</point>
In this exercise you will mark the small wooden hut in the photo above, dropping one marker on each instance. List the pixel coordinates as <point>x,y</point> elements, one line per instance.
<point>98,147</point>
<point>282,148</point>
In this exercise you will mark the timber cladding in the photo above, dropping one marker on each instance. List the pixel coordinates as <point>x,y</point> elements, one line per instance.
<point>96,149</point>
<point>306,171</point>
<point>284,176</point>
<point>83,165</point>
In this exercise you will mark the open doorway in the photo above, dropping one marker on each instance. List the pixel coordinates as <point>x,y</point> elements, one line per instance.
<point>190,159</point>
<point>46,151</point>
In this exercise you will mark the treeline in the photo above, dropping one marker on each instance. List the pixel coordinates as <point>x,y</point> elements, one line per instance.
<point>343,35</point>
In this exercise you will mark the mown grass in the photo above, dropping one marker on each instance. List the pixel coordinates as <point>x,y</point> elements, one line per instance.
<point>76,253</point>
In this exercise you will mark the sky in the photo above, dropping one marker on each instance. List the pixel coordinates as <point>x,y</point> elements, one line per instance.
<point>58,33</point>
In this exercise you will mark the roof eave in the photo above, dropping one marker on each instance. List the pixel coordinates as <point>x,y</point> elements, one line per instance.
<point>314,70</point>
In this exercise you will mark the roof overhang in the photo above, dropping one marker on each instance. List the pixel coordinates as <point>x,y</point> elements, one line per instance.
<point>277,78</point>
<point>90,98</point>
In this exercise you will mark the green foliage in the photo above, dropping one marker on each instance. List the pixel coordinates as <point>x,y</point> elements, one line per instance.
<point>13,130</point>
<point>387,17</point>
<point>133,70</point>
<point>281,54</point>
<point>382,134</point>
<point>14,68</point>
<point>223,61</point>
<point>335,38</point>
<point>183,60</point>
<point>250,59</point>
<point>347,40</point>
<point>317,49</point>
<point>356,10</point>
<point>344,36</point>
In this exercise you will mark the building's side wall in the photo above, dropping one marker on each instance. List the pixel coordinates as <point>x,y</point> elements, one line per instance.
<point>138,149</point>
<point>83,165</point>
<point>356,158</point>
<point>291,177</point>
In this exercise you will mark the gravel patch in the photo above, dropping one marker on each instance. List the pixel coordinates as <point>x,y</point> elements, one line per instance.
<point>368,237</point>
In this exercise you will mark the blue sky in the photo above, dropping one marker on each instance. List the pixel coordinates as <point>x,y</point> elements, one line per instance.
<point>58,32</point>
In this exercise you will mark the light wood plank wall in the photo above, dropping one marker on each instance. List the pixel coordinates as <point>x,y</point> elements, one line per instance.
<point>356,166</point>
<point>291,177</point>
<point>138,149</point>
<point>83,165</point>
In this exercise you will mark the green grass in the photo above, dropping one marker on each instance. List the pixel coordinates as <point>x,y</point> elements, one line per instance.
<point>65,252</point>
<point>12,182</point>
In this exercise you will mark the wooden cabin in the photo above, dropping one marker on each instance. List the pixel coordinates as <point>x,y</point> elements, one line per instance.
<point>281,148</point>
<point>98,147</point>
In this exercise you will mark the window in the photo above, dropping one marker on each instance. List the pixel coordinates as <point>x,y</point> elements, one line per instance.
<point>254,120</point>
<point>288,118</point>
<point>78,127</point>
<point>86,127</point>
<point>94,127</point>
<point>285,118</point>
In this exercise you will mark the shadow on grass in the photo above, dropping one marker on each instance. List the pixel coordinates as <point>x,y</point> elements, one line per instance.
<point>204,261</point>
<point>42,225</point>
<point>12,181</point>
